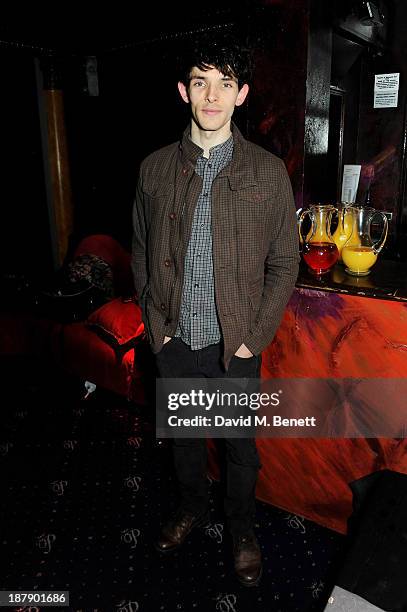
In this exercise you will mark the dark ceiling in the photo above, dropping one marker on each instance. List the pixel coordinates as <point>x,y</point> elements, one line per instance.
<point>87,33</point>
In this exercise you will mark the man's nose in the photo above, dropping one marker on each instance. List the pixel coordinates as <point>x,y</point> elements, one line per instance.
<point>211,95</point>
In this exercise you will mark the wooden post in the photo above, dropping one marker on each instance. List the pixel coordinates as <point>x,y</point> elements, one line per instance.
<point>56,162</point>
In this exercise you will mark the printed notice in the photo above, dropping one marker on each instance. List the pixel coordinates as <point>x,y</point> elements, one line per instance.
<point>350,182</point>
<point>386,90</point>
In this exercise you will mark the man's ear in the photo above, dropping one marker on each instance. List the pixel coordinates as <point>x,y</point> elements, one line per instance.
<point>241,96</point>
<point>183,92</point>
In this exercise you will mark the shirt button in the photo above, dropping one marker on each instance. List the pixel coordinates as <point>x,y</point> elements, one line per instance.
<point>162,306</point>
<point>172,216</point>
<point>167,263</point>
<point>194,314</point>
<point>202,224</point>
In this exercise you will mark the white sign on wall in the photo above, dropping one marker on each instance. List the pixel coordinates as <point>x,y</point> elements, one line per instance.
<point>386,90</point>
<point>350,182</point>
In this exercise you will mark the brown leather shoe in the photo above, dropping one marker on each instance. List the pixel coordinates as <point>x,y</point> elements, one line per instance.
<point>176,530</point>
<point>247,556</point>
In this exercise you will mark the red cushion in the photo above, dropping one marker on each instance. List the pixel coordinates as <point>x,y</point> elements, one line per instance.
<point>118,322</point>
<point>87,355</point>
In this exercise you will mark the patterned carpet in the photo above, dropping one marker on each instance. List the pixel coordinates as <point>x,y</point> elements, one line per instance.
<point>85,486</point>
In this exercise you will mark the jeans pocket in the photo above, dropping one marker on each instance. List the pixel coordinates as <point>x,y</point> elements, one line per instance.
<point>164,347</point>
<point>243,367</point>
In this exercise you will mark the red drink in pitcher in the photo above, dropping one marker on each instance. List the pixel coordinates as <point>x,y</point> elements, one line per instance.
<point>320,256</point>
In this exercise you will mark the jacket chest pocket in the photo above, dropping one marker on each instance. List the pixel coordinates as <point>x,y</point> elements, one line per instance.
<point>251,211</point>
<point>160,203</point>
<point>254,199</point>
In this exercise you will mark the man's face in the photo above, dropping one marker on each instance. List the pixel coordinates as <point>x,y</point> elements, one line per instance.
<point>213,97</point>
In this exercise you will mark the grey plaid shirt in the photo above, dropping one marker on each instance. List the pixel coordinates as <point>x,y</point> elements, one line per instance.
<point>198,324</point>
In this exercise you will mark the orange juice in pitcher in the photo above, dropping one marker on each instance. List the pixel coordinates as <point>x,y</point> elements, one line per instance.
<point>359,259</point>
<point>360,251</point>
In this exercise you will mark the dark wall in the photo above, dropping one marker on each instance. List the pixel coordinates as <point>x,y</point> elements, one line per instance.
<point>318,80</point>
<point>276,105</point>
<point>136,112</point>
<point>25,241</point>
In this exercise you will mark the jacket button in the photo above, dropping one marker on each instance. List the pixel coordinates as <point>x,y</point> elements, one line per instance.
<point>167,263</point>
<point>162,306</point>
<point>172,216</point>
<point>184,170</point>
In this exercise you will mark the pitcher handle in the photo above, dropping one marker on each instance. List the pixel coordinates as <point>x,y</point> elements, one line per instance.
<point>335,212</point>
<point>377,246</point>
<point>303,239</point>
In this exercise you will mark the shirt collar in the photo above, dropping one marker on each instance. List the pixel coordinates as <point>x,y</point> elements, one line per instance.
<point>222,152</point>
<point>223,147</point>
<point>239,171</point>
<point>192,151</point>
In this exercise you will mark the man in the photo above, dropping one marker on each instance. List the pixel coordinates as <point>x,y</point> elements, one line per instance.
<point>215,259</point>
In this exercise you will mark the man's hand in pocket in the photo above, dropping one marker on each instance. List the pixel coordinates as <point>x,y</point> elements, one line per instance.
<point>243,352</point>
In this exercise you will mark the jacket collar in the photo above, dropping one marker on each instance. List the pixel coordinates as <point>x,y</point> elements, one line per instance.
<point>240,171</point>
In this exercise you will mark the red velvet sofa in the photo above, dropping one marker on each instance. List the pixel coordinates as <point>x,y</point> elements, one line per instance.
<point>100,349</point>
<point>322,335</point>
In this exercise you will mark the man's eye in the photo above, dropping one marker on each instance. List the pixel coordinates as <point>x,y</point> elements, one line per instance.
<point>199,83</point>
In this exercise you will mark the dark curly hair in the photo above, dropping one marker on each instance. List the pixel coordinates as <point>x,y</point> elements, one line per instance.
<point>206,52</point>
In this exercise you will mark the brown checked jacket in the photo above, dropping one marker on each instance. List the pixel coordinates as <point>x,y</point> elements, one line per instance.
<point>254,233</point>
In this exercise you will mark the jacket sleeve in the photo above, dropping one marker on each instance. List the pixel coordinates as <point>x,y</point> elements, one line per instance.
<point>139,245</point>
<point>281,267</point>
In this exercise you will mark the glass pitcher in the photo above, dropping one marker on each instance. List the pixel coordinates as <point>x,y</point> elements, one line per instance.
<point>360,251</point>
<point>319,250</point>
<point>344,228</point>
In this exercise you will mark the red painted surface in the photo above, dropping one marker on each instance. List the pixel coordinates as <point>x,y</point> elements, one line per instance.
<point>327,335</point>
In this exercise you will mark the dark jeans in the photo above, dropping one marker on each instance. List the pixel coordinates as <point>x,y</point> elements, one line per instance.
<point>177,360</point>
